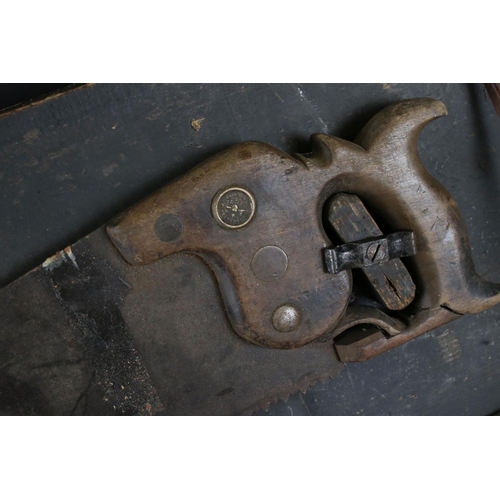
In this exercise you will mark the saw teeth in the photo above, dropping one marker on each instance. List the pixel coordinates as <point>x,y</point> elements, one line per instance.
<point>265,406</point>
<point>284,398</point>
<point>311,384</point>
<point>302,388</point>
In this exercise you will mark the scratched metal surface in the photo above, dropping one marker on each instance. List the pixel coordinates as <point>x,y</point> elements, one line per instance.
<point>69,164</point>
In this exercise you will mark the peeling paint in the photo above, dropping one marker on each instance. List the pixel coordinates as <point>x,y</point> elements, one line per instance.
<point>59,258</point>
<point>196,124</point>
<point>53,262</point>
<point>71,255</point>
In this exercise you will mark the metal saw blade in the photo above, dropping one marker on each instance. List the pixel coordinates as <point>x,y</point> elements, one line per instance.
<point>86,333</point>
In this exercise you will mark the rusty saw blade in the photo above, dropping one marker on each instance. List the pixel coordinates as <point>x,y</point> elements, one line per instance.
<point>86,333</point>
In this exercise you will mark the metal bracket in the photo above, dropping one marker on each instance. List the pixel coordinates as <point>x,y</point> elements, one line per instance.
<point>370,252</point>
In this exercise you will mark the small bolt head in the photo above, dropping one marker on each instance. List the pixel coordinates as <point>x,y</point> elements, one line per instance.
<point>286,318</point>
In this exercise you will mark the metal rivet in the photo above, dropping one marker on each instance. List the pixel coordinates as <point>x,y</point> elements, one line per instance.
<point>233,208</point>
<point>168,227</point>
<point>286,318</point>
<point>269,263</point>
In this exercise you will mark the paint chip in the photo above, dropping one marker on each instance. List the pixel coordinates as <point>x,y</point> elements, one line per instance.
<point>59,258</point>
<point>196,124</point>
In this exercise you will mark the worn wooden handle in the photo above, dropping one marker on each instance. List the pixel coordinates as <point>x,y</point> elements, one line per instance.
<point>254,214</point>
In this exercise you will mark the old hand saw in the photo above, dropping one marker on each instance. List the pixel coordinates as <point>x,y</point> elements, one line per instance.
<point>319,260</point>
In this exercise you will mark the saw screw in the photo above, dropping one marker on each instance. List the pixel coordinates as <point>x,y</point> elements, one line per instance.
<point>233,208</point>
<point>376,252</point>
<point>286,318</point>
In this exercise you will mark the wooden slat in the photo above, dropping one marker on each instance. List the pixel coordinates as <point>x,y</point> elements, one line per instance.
<point>391,280</point>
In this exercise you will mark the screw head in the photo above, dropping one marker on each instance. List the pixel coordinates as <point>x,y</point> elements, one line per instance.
<point>376,252</point>
<point>286,318</point>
